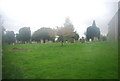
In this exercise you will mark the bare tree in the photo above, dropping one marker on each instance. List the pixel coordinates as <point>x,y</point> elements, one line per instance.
<point>66,32</point>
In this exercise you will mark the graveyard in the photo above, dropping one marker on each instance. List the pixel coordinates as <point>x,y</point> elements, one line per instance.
<point>38,43</point>
<point>90,60</point>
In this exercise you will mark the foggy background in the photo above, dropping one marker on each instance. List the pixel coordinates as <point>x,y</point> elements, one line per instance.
<point>51,13</point>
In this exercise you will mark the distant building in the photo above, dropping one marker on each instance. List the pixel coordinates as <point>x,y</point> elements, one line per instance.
<point>113,25</point>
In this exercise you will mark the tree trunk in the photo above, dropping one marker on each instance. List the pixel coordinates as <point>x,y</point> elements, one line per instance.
<point>23,42</point>
<point>61,43</point>
<point>43,40</point>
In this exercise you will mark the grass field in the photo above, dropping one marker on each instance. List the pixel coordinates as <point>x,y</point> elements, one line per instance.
<point>94,60</point>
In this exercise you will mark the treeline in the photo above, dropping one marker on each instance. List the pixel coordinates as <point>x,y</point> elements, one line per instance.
<point>65,33</point>
<point>60,34</point>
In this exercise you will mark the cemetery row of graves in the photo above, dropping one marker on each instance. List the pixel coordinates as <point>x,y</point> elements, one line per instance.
<point>65,33</point>
<point>90,60</point>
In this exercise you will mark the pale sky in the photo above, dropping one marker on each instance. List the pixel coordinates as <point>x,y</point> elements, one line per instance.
<point>51,13</point>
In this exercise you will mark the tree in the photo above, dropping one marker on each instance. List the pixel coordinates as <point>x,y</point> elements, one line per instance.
<point>9,37</point>
<point>25,34</point>
<point>52,34</point>
<point>44,34</point>
<point>76,36</point>
<point>17,37</point>
<point>93,31</point>
<point>35,36</point>
<point>66,32</point>
<point>103,37</point>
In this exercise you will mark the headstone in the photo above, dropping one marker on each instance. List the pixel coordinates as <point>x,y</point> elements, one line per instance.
<point>95,39</point>
<point>41,41</point>
<point>90,40</point>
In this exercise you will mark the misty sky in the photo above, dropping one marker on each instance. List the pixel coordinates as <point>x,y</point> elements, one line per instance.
<point>51,13</point>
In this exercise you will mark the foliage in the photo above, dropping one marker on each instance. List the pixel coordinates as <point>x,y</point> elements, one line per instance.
<point>52,34</point>
<point>17,37</point>
<point>76,36</point>
<point>103,37</point>
<point>43,34</point>
<point>93,31</point>
<point>66,32</point>
<point>9,37</point>
<point>60,38</point>
<point>24,34</point>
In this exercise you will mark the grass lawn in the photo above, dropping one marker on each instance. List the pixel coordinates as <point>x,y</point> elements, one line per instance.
<point>94,60</point>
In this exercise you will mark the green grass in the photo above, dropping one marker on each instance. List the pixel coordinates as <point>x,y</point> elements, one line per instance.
<point>95,60</point>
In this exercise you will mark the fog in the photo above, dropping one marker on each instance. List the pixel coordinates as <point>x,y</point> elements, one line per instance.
<point>51,13</point>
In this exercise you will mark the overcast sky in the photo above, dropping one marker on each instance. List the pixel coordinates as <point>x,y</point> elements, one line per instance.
<point>51,13</point>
